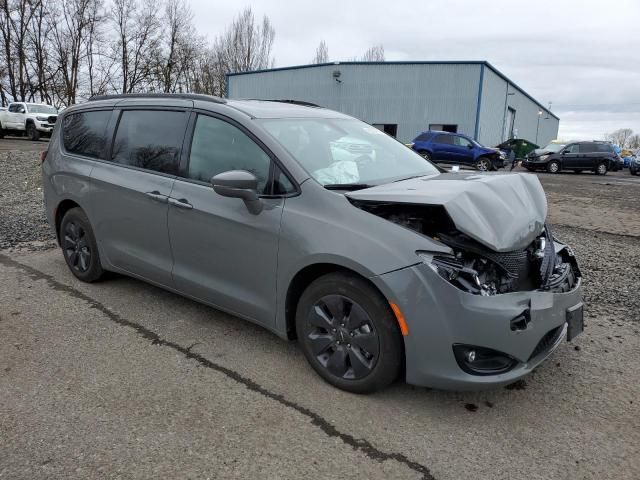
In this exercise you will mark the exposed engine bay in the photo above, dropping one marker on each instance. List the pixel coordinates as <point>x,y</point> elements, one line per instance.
<point>543,265</point>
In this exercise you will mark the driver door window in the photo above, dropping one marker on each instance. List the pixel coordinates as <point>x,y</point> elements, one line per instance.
<point>462,142</point>
<point>218,147</point>
<point>572,148</point>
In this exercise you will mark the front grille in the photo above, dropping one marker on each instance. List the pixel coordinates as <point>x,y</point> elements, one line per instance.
<point>546,342</point>
<point>516,264</point>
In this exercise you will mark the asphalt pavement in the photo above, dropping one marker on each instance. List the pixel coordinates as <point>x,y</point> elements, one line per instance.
<point>123,380</point>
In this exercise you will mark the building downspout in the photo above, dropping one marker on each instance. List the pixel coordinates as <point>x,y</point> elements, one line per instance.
<point>477,129</point>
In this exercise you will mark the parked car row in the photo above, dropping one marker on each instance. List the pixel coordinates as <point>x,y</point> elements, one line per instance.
<point>34,120</point>
<point>596,156</point>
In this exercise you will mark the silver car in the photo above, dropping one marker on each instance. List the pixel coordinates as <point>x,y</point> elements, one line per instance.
<point>376,261</point>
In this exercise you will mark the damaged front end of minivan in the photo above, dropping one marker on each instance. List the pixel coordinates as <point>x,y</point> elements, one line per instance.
<point>494,225</point>
<point>544,264</point>
<point>509,291</point>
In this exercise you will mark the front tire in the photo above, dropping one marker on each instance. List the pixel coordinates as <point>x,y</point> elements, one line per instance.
<point>601,169</point>
<point>484,164</point>
<point>349,334</point>
<point>32,132</point>
<point>79,246</point>
<point>553,166</point>
<point>426,155</point>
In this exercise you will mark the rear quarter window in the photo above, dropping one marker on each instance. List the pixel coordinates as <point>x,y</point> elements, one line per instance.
<point>84,133</point>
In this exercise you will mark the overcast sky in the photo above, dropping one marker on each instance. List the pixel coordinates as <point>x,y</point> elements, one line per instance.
<point>584,56</point>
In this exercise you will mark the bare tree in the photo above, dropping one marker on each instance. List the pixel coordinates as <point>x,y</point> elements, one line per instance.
<point>246,46</point>
<point>374,54</point>
<point>137,41</point>
<point>620,137</point>
<point>322,53</point>
<point>633,142</point>
<point>15,17</point>
<point>71,32</point>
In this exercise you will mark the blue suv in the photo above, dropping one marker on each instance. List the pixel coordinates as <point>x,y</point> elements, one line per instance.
<point>445,147</point>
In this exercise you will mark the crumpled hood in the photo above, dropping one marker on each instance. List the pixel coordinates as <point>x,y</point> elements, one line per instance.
<point>539,151</point>
<point>504,212</point>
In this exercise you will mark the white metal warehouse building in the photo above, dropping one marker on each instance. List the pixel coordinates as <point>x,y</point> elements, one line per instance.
<point>406,98</point>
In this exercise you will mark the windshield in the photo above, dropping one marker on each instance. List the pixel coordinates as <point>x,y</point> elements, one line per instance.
<point>35,108</point>
<point>554,147</point>
<point>346,151</point>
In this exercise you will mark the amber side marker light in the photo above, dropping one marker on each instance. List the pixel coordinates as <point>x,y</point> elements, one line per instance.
<point>400,318</point>
<point>43,156</point>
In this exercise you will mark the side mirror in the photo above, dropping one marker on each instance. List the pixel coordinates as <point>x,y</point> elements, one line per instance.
<point>563,152</point>
<point>239,184</point>
<point>469,146</point>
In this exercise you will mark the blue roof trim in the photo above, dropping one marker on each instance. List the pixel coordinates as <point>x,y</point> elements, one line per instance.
<point>415,62</point>
<point>478,107</point>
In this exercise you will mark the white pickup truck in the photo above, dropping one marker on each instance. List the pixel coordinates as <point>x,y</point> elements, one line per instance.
<point>32,119</point>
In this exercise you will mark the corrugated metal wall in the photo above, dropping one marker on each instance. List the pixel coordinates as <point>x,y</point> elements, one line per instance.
<point>493,113</point>
<point>413,96</point>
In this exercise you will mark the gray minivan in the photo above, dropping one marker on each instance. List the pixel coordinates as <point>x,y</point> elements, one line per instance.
<point>320,228</point>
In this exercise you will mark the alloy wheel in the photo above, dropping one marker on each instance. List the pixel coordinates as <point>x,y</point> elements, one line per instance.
<point>554,167</point>
<point>483,165</point>
<point>342,337</point>
<point>76,247</point>
<point>602,169</point>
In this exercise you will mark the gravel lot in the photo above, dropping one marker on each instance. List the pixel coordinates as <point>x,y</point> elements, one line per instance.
<point>124,380</point>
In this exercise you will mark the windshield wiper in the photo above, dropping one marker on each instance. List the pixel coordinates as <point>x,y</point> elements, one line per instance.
<point>347,186</point>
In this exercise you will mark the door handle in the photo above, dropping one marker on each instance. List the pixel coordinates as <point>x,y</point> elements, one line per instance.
<point>157,196</point>
<point>181,203</point>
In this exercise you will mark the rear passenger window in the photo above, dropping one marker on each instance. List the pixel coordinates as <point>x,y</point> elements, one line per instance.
<point>588,148</point>
<point>83,133</point>
<point>218,147</point>
<point>150,139</point>
<point>424,137</point>
<point>444,139</point>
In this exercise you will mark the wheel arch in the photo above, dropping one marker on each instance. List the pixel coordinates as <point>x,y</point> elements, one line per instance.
<point>63,207</point>
<point>303,278</point>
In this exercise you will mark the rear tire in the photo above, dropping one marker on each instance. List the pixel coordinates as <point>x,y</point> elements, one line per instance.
<point>349,334</point>
<point>2,132</point>
<point>553,166</point>
<point>601,169</point>
<point>32,132</point>
<point>79,246</point>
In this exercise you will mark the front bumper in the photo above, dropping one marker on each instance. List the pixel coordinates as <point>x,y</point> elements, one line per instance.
<point>439,315</point>
<point>533,162</point>
<point>43,127</point>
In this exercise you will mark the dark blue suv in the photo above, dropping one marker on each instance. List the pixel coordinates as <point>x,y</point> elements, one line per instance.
<point>445,147</point>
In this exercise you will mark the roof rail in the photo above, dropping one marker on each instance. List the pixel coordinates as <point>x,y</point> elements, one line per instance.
<point>183,96</point>
<point>294,102</point>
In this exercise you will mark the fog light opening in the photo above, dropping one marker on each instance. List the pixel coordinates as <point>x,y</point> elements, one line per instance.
<point>482,361</point>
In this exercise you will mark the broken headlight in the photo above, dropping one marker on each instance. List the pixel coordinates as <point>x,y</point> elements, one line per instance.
<point>458,272</point>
